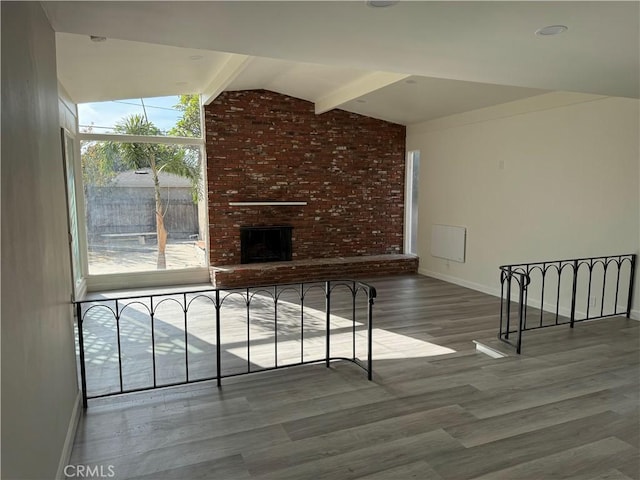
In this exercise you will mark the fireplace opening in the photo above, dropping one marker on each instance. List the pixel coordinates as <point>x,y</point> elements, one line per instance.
<point>265,244</point>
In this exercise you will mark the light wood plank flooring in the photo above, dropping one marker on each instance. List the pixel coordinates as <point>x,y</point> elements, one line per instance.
<point>568,407</point>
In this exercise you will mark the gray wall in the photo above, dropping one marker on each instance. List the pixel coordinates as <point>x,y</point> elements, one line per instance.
<point>39,386</point>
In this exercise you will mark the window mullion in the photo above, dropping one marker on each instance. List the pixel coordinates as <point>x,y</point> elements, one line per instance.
<point>113,137</point>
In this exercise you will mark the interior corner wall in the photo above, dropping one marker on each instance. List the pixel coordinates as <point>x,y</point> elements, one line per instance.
<point>530,182</point>
<point>39,386</point>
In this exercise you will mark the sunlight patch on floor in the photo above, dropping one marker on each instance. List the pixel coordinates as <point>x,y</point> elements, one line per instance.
<point>386,346</point>
<point>389,345</point>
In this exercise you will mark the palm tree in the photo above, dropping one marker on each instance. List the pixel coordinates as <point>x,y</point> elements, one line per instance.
<point>157,158</point>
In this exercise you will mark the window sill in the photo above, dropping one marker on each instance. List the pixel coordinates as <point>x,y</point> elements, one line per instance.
<point>166,278</point>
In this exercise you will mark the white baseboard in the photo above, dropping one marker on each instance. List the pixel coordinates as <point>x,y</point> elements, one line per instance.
<point>65,456</point>
<point>535,303</point>
<point>458,281</point>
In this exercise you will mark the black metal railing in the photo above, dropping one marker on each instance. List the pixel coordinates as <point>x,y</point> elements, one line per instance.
<point>563,292</point>
<point>135,343</point>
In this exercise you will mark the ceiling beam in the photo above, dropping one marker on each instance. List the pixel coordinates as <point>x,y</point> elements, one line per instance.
<point>355,89</point>
<point>226,74</point>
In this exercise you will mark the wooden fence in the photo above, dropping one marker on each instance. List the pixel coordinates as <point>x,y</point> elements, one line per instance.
<point>113,210</point>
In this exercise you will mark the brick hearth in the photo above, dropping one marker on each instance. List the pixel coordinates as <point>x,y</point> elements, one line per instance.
<point>296,271</point>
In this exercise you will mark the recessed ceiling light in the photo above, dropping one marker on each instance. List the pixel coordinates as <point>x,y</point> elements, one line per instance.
<point>361,101</point>
<point>381,3</point>
<point>551,30</point>
<point>97,38</point>
<point>410,81</point>
<point>195,57</point>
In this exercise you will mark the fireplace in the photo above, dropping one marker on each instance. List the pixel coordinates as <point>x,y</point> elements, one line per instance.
<point>265,244</point>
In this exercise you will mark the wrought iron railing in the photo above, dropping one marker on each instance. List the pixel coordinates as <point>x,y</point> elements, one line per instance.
<point>135,343</point>
<point>559,292</point>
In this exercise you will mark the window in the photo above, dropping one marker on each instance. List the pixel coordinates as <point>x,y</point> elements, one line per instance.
<point>174,116</point>
<point>411,202</point>
<point>142,184</point>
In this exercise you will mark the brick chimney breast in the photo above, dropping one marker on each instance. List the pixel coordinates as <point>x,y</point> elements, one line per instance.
<point>265,146</point>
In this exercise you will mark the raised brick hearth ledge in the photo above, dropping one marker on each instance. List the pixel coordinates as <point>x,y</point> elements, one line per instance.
<point>296,271</point>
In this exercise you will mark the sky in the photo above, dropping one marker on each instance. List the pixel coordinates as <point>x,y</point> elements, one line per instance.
<point>160,112</point>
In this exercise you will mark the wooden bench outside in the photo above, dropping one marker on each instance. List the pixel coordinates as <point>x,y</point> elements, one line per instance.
<point>141,236</point>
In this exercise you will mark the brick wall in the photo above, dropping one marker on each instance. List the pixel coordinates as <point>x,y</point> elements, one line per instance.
<point>264,146</point>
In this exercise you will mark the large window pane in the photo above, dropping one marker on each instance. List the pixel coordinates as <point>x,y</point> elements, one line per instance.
<point>142,206</point>
<point>168,116</point>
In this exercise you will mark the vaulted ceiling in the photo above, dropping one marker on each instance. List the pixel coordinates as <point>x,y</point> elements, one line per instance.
<point>407,63</point>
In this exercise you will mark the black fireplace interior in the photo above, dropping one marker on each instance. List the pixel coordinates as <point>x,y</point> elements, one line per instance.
<point>265,244</point>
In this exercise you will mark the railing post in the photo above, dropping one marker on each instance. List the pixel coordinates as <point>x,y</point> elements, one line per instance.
<point>248,332</point>
<point>302,322</point>
<point>509,277</point>
<point>501,302</point>
<point>521,307</point>
<point>275,324</point>
<point>573,293</point>
<point>120,348</point>
<point>186,339</point>
<point>604,285</point>
<point>83,372</point>
<point>589,288</point>
<point>153,343</point>
<point>559,270</point>
<point>615,300</point>
<point>632,274</point>
<point>328,310</point>
<point>354,293</point>
<point>544,274</point>
<point>370,336</point>
<point>218,346</point>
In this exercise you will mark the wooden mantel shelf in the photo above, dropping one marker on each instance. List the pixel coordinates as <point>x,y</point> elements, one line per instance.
<point>266,204</point>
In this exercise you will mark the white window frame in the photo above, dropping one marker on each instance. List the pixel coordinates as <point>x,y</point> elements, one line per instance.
<point>408,203</point>
<point>155,278</point>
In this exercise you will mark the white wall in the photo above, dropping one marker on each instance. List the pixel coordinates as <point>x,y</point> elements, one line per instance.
<point>68,111</point>
<point>569,187</point>
<point>39,387</point>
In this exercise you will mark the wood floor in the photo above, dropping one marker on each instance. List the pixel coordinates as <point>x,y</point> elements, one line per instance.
<point>568,407</point>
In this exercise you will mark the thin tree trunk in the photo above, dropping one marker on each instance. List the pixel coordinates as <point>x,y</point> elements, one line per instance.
<point>162,238</point>
<point>160,230</point>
